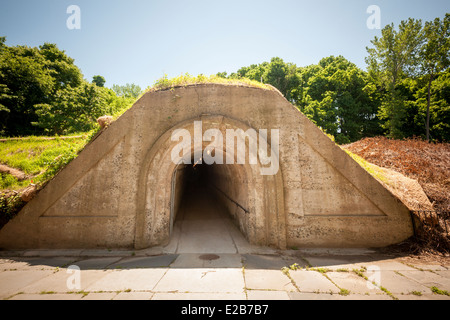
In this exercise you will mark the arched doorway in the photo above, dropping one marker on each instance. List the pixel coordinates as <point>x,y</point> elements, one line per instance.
<point>255,202</point>
<point>206,216</point>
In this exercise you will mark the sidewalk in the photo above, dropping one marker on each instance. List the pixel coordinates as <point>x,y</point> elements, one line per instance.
<point>208,258</point>
<point>255,274</point>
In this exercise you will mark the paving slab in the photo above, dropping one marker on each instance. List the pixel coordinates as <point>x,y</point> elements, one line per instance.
<point>338,262</point>
<point>12,282</point>
<point>199,296</point>
<point>428,267</point>
<point>267,295</point>
<point>162,261</point>
<point>252,275</point>
<point>325,296</point>
<point>41,263</point>
<point>428,279</point>
<point>354,283</point>
<point>268,280</point>
<point>198,260</point>
<point>312,282</point>
<point>100,296</point>
<point>425,296</point>
<point>96,263</point>
<point>444,274</point>
<point>32,296</point>
<point>392,265</point>
<point>134,295</point>
<point>62,281</point>
<point>107,253</point>
<point>202,280</point>
<point>397,284</point>
<point>15,264</point>
<point>134,279</point>
<point>268,262</point>
<point>52,253</point>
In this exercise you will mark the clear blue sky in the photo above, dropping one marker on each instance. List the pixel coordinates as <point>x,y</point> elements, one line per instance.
<point>138,41</point>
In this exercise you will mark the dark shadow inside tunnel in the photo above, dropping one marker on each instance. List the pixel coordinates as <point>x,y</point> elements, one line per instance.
<point>206,198</point>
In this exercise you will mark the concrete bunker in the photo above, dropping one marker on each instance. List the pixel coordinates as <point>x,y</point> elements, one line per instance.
<point>250,198</point>
<point>121,191</point>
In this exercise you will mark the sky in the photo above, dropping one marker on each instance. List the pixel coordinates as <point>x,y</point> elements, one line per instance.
<point>139,41</point>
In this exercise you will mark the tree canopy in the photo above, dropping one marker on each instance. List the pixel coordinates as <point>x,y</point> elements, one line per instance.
<point>42,91</point>
<point>405,91</point>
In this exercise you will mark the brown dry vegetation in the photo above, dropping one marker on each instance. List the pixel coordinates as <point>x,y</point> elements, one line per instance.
<point>428,163</point>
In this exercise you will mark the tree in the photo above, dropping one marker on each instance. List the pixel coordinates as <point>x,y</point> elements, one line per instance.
<point>281,75</point>
<point>99,81</point>
<point>74,109</point>
<point>26,81</point>
<point>61,67</point>
<point>4,93</point>
<point>435,56</point>
<point>128,90</point>
<point>222,74</point>
<point>337,98</point>
<point>43,91</point>
<point>393,57</point>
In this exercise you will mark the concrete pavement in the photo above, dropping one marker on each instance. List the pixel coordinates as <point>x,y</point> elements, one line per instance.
<point>208,258</point>
<point>287,275</point>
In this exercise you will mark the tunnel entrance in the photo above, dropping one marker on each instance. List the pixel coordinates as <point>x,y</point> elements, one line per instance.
<point>254,202</point>
<point>204,213</point>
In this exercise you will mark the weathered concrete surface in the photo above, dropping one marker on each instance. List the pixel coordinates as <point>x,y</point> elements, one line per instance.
<point>121,191</point>
<point>335,276</point>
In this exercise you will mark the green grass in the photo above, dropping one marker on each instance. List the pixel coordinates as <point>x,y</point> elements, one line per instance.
<point>436,290</point>
<point>186,79</point>
<point>32,155</point>
<point>344,292</point>
<point>38,158</point>
<point>373,170</point>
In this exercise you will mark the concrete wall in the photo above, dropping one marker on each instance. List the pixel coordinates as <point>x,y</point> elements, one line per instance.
<point>228,182</point>
<point>118,192</point>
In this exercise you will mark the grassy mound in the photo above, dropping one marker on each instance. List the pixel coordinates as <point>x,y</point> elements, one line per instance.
<point>186,79</point>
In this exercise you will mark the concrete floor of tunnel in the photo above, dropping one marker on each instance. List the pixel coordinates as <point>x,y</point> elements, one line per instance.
<point>202,224</point>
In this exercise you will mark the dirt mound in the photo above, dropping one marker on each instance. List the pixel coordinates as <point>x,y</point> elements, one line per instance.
<point>428,163</point>
<point>422,162</point>
<point>19,175</point>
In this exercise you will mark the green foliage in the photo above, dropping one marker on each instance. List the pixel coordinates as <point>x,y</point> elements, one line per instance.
<point>127,91</point>
<point>38,158</point>
<point>76,109</point>
<point>43,92</point>
<point>336,96</point>
<point>375,171</point>
<point>27,81</point>
<point>99,81</point>
<point>7,181</point>
<point>165,83</point>
<point>404,93</point>
<point>408,67</point>
<point>9,206</point>
<point>436,290</point>
<point>277,73</point>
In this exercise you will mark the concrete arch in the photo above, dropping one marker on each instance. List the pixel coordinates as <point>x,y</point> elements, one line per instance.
<point>118,192</point>
<point>263,224</point>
